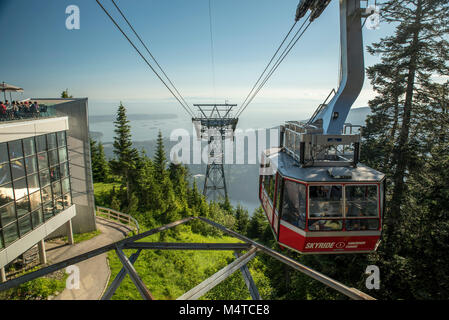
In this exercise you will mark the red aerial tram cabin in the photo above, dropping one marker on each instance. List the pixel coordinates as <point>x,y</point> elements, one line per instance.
<point>317,197</point>
<point>329,206</point>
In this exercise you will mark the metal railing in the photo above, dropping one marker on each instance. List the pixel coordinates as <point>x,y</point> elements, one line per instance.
<point>23,113</point>
<point>119,217</point>
<point>248,245</point>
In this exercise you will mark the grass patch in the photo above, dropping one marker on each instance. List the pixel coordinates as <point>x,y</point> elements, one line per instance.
<point>170,273</point>
<point>80,237</point>
<point>37,289</point>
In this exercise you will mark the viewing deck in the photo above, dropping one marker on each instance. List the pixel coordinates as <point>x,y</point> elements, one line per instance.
<point>47,108</point>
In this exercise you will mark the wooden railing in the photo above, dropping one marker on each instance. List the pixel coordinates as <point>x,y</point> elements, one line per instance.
<point>119,217</point>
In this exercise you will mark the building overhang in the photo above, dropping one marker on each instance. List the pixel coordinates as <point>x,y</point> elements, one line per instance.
<point>16,130</point>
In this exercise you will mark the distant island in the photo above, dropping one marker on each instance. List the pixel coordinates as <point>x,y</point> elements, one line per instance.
<point>135,116</point>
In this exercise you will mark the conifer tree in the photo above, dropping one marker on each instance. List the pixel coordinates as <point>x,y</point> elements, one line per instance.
<point>100,167</point>
<point>160,158</point>
<point>125,154</point>
<point>241,220</point>
<point>402,138</point>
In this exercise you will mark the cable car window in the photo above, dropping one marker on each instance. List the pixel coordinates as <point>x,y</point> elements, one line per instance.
<point>294,204</point>
<point>268,184</point>
<point>361,201</point>
<point>326,201</point>
<point>362,224</point>
<point>280,186</point>
<point>325,225</point>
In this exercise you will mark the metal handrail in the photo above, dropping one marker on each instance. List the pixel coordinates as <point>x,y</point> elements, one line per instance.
<point>117,216</point>
<point>131,241</point>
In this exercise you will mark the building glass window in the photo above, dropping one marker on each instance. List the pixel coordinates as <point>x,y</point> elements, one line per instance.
<point>34,184</point>
<point>54,174</point>
<point>29,147</point>
<point>51,141</point>
<point>6,194</point>
<point>65,170</point>
<point>62,154</point>
<point>67,198</point>
<point>35,200</point>
<point>15,149</point>
<point>65,185</point>
<point>25,225</point>
<point>31,164</point>
<point>37,217</point>
<point>42,159</point>
<point>41,143</point>
<point>22,206</point>
<point>48,211</point>
<point>7,213</point>
<point>46,194</point>
<point>53,157</point>
<point>56,189</point>
<point>20,188</point>
<point>3,153</point>
<point>17,169</point>
<point>44,178</point>
<point>5,173</point>
<point>59,205</point>
<point>10,233</point>
<point>61,138</point>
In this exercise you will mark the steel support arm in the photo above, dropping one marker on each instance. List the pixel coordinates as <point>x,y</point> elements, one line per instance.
<point>218,277</point>
<point>333,116</point>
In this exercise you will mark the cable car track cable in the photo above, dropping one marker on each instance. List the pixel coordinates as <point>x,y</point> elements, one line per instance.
<point>271,60</point>
<point>281,58</point>
<point>145,59</point>
<point>212,50</point>
<point>149,52</point>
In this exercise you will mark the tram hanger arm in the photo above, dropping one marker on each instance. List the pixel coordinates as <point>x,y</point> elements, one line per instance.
<point>333,116</point>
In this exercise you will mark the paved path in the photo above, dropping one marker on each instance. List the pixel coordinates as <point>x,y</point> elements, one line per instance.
<point>94,272</point>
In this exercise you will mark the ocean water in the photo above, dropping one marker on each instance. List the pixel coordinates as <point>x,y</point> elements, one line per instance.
<point>148,118</point>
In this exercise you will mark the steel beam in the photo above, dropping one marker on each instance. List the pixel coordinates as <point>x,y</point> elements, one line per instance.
<point>119,278</point>
<point>250,284</point>
<point>218,277</point>
<point>186,246</point>
<point>143,290</point>
<point>68,262</point>
<point>349,292</point>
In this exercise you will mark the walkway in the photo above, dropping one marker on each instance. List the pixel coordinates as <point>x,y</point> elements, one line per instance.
<point>94,272</point>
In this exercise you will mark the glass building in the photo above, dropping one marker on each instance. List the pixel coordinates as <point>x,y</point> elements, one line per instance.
<point>43,159</point>
<point>34,183</point>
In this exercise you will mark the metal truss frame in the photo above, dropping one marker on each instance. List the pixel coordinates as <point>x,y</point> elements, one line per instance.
<point>240,263</point>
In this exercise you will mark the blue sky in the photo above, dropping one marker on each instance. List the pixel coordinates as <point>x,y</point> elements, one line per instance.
<point>43,57</point>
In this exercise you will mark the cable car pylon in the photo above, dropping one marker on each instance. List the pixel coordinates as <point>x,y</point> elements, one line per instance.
<point>215,123</point>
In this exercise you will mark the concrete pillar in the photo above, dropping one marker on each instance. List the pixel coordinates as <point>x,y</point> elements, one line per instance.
<point>42,254</point>
<point>69,232</point>
<point>2,274</point>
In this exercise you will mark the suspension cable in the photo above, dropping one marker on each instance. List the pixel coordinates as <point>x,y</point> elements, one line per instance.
<point>146,61</point>
<point>212,50</point>
<point>151,55</point>
<point>271,60</point>
<point>298,35</point>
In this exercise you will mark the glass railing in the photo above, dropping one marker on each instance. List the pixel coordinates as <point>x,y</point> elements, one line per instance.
<point>28,113</point>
